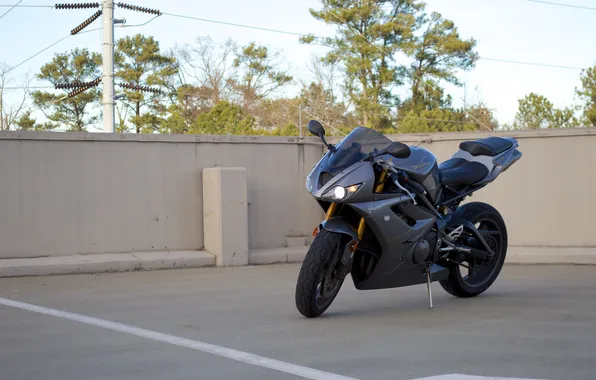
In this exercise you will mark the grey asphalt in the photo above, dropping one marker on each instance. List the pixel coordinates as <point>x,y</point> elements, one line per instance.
<point>535,322</point>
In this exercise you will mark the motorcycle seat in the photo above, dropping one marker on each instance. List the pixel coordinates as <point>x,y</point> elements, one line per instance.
<point>458,171</point>
<point>490,146</point>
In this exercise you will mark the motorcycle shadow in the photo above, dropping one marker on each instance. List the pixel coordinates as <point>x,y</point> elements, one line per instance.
<point>411,305</point>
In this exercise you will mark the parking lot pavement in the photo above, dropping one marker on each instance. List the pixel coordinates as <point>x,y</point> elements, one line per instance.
<point>536,322</point>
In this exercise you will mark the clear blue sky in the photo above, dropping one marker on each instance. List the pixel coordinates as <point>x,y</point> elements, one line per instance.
<point>505,29</point>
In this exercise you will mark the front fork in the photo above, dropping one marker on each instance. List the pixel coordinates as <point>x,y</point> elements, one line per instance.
<point>349,251</point>
<point>332,211</point>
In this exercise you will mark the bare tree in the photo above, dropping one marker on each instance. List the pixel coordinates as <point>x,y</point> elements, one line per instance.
<point>210,65</point>
<point>478,112</point>
<point>10,112</point>
<point>327,74</point>
<point>320,96</point>
<point>261,74</point>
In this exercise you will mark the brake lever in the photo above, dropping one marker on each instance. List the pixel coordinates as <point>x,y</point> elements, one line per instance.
<point>396,181</point>
<point>389,167</point>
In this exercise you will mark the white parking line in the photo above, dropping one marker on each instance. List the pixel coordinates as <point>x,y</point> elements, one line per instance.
<point>457,376</point>
<point>244,357</point>
<point>241,356</point>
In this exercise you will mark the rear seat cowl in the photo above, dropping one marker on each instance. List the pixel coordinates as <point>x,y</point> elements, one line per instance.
<point>490,146</point>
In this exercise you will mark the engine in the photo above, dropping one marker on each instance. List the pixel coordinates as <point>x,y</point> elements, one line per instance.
<point>424,248</point>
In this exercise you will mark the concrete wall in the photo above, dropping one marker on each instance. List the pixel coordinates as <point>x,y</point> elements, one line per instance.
<point>63,193</point>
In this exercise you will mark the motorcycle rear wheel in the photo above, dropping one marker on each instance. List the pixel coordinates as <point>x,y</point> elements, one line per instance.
<point>318,282</point>
<point>491,225</point>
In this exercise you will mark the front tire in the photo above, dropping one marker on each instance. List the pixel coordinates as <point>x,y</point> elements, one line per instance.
<point>318,282</point>
<point>491,225</point>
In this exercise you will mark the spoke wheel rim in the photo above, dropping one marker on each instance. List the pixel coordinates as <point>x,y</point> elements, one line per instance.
<point>481,271</point>
<point>328,284</point>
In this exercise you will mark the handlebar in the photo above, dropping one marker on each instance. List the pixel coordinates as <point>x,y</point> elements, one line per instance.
<point>401,177</point>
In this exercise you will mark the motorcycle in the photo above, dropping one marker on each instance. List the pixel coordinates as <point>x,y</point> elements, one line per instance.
<point>393,218</point>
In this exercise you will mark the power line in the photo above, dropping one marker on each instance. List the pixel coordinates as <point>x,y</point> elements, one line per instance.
<point>187,93</point>
<point>48,47</point>
<point>237,25</point>
<point>562,5</point>
<point>26,87</point>
<point>532,63</point>
<point>25,6</point>
<point>319,37</point>
<point>297,107</point>
<point>30,109</point>
<point>11,8</point>
<point>62,39</point>
<point>52,6</point>
<point>190,94</point>
<point>136,25</point>
<point>439,120</point>
<point>36,54</point>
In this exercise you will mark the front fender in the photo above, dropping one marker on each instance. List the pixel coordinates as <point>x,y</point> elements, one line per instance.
<point>341,226</point>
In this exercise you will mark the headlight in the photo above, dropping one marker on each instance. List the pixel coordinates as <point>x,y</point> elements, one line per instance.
<point>309,184</point>
<point>339,192</point>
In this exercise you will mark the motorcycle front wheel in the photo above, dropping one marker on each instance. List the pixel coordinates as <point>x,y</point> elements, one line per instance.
<point>320,276</point>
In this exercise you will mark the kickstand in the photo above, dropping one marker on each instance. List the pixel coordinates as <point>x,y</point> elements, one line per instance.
<point>430,292</point>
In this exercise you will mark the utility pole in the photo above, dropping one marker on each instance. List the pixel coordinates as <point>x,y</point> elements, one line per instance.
<point>109,98</point>
<point>109,117</point>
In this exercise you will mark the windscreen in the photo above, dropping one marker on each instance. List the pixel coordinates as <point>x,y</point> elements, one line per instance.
<point>354,147</point>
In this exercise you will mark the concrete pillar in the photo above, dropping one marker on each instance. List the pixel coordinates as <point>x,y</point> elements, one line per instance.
<point>225,215</point>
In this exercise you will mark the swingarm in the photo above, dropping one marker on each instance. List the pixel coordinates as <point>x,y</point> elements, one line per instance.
<point>450,240</point>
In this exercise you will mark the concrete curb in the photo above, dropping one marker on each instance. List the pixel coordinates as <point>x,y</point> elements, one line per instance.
<point>137,261</point>
<point>178,259</point>
<point>108,262</point>
<point>551,255</point>
<point>277,255</point>
<point>515,255</point>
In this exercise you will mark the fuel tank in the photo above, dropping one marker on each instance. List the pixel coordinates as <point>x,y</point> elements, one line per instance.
<point>422,167</point>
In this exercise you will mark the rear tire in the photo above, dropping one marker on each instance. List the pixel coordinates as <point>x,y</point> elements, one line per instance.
<point>317,287</point>
<point>488,218</point>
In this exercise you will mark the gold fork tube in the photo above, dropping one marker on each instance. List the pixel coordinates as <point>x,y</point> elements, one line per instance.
<point>331,210</point>
<point>381,183</point>
<point>361,228</point>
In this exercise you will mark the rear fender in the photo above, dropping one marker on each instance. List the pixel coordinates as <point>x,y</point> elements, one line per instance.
<point>503,162</point>
<point>456,220</point>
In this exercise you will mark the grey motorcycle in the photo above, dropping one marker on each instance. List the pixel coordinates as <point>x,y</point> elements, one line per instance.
<point>393,218</point>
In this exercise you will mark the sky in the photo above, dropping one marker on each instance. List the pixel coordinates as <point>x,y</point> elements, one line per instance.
<point>517,30</point>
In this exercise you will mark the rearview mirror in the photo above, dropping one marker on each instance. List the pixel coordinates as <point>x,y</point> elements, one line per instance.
<point>398,150</point>
<point>316,128</point>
